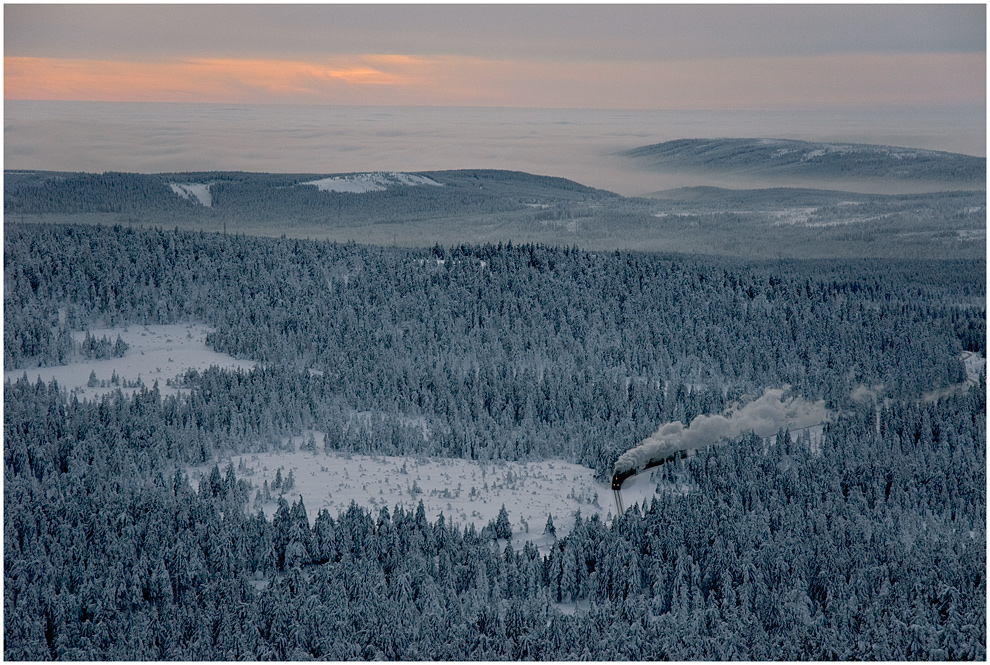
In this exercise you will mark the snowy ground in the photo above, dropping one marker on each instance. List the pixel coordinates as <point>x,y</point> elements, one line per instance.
<point>357,183</point>
<point>369,182</point>
<point>974,363</point>
<point>196,192</point>
<point>465,492</point>
<point>156,353</point>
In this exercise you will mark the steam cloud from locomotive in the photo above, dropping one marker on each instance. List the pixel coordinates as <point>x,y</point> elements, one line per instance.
<point>763,416</point>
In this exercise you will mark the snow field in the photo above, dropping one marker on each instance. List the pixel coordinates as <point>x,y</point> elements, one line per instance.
<point>974,364</point>
<point>369,182</point>
<point>157,353</point>
<point>196,192</point>
<point>466,492</point>
<point>358,183</point>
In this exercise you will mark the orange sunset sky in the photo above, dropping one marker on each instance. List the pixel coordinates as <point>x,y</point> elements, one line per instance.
<point>577,56</point>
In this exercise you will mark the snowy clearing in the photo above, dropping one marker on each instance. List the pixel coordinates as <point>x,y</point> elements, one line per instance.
<point>195,191</point>
<point>974,364</point>
<point>369,182</point>
<point>466,492</point>
<point>967,235</point>
<point>156,353</point>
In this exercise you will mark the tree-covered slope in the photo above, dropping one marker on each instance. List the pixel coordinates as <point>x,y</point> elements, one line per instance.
<point>873,548</point>
<point>491,207</point>
<point>870,546</point>
<point>505,351</point>
<point>266,196</point>
<point>813,160</point>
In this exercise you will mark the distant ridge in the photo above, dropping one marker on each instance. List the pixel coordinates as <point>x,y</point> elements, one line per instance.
<point>382,195</point>
<point>485,206</point>
<point>768,157</point>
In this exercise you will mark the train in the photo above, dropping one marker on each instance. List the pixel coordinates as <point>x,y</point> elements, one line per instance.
<point>621,476</point>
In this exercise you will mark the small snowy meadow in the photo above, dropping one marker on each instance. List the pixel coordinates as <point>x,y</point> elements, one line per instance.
<point>154,353</point>
<point>465,491</point>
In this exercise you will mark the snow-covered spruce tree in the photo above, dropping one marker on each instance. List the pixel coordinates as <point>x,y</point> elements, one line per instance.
<point>503,527</point>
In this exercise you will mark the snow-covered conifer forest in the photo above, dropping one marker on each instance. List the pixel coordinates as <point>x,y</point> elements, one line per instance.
<point>866,542</point>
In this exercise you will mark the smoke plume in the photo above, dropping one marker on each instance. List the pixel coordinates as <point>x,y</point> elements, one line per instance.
<point>764,416</point>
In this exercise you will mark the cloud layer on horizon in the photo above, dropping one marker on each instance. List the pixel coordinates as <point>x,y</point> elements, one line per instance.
<point>733,83</point>
<point>552,56</point>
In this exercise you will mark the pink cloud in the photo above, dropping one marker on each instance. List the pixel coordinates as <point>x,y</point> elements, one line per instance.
<point>751,82</point>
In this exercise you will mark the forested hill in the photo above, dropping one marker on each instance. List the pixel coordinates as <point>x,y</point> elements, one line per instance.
<point>869,546</point>
<point>498,347</point>
<point>765,157</point>
<point>253,196</point>
<point>487,206</point>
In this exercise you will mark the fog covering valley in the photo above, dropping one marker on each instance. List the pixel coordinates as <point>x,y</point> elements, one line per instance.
<point>377,415</point>
<point>583,145</point>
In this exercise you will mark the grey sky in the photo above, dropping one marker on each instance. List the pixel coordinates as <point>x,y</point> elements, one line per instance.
<point>561,32</point>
